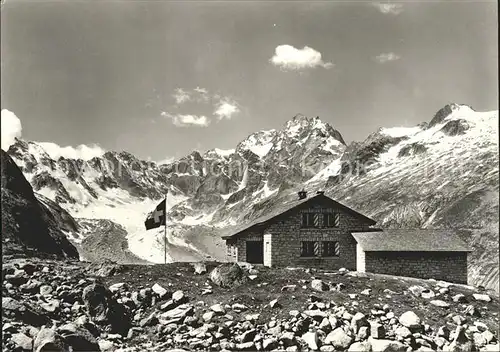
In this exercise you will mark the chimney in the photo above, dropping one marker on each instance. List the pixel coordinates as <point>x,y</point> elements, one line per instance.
<point>302,194</point>
<point>320,192</point>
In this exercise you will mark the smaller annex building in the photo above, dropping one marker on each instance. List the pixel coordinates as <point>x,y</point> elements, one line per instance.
<point>423,253</point>
<point>321,232</point>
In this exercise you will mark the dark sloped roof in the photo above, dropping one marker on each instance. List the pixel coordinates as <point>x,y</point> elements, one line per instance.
<point>411,240</point>
<point>284,209</point>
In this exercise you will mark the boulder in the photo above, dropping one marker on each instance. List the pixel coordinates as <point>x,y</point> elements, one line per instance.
<point>228,275</point>
<point>403,332</point>
<point>246,336</point>
<point>439,303</point>
<point>410,320</point>
<point>159,290</point>
<point>386,345</point>
<point>481,297</point>
<point>274,303</point>
<point>22,312</point>
<point>416,290</point>
<point>269,344</point>
<point>312,340</point>
<point>218,308</point>
<point>291,288</point>
<point>178,313</point>
<point>428,294</point>
<point>199,268</point>
<point>118,287</point>
<point>377,330</point>
<point>48,340</point>
<point>103,309</point>
<point>80,340</point>
<point>22,342</point>
<point>319,285</point>
<point>459,298</point>
<point>360,347</point>
<point>460,342</point>
<point>179,297</point>
<point>357,321</point>
<point>339,339</point>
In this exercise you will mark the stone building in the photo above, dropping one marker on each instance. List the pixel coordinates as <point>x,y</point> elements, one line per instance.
<point>320,232</point>
<point>437,254</point>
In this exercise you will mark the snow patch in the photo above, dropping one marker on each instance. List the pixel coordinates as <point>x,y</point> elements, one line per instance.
<point>333,169</point>
<point>332,145</point>
<point>259,143</point>
<point>400,131</point>
<point>197,220</point>
<point>224,152</point>
<point>293,130</point>
<point>261,150</point>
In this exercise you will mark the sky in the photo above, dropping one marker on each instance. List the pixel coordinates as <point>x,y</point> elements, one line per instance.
<point>162,78</point>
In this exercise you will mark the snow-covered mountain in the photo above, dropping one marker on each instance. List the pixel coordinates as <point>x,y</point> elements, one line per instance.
<point>439,174</point>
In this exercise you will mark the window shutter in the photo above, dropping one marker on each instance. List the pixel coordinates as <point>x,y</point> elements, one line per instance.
<point>304,219</point>
<point>336,219</point>
<point>316,249</point>
<point>316,219</point>
<point>337,249</point>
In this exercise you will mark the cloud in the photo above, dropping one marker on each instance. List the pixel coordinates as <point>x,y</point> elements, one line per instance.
<point>197,94</point>
<point>11,128</point>
<point>84,152</point>
<point>226,109</point>
<point>181,120</point>
<point>181,96</point>
<point>201,90</point>
<point>201,95</point>
<point>386,57</point>
<point>289,58</point>
<point>389,9</point>
<point>223,107</point>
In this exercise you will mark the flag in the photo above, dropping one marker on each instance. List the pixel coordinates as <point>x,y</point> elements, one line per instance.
<point>156,218</point>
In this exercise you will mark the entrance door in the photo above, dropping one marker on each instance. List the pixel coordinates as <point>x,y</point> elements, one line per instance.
<point>255,252</point>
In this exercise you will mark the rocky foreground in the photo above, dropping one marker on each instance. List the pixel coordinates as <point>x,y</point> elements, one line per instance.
<point>73,306</point>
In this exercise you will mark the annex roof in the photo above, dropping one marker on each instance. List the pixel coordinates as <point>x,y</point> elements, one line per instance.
<point>411,240</point>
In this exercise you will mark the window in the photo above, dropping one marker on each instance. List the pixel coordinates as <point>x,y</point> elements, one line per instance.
<point>231,250</point>
<point>331,219</point>
<point>310,220</point>
<point>330,249</point>
<point>309,249</point>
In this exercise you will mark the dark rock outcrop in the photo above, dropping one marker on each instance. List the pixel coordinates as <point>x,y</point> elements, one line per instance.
<point>28,227</point>
<point>358,157</point>
<point>455,127</point>
<point>412,149</point>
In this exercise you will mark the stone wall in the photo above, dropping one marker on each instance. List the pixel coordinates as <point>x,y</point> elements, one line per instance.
<point>448,266</point>
<point>287,235</point>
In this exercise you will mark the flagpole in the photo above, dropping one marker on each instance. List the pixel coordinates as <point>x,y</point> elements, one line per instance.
<point>165,233</point>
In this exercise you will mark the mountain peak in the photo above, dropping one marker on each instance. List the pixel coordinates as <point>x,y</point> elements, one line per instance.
<point>301,123</point>
<point>446,111</point>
